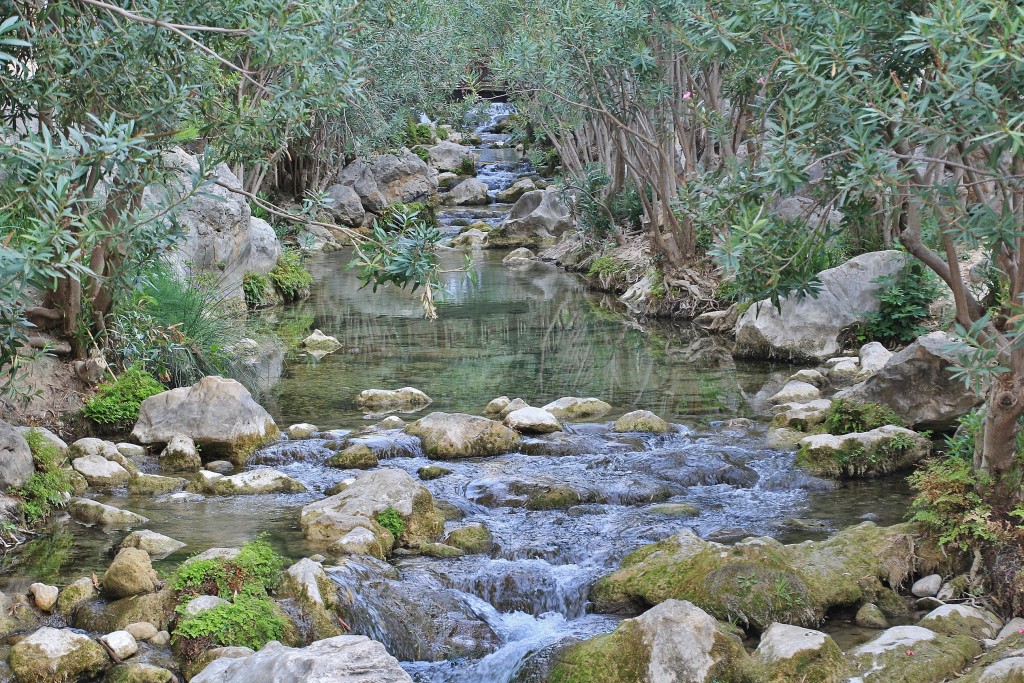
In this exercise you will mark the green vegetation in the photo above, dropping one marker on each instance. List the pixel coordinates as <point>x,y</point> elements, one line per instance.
<point>421,152</point>
<point>290,277</point>
<point>249,621</point>
<point>391,520</point>
<point>904,301</point>
<point>845,417</point>
<point>47,489</point>
<point>117,402</point>
<point>256,570</point>
<point>256,287</point>
<point>418,134</point>
<point>603,211</point>
<point>467,166</point>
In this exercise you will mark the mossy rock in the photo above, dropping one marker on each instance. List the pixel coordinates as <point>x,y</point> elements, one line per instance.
<point>475,538</point>
<point>553,498</point>
<point>963,620</point>
<point>153,484</point>
<point>674,510</point>
<point>74,594</point>
<point>641,421</point>
<point>16,614</point>
<point>439,550</point>
<point>103,616</point>
<point>55,656</point>
<point>431,472</point>
<point>1004,659</point>
<point>857,455</point>
<point>357,456</point>
<point>134,672</point>
<point>791,653</point>
<point>205,658</point>
<point>912,654</point>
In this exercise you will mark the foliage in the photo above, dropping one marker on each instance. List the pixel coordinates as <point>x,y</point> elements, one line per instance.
<point>118,402</point>
<point>418,134</point>
<point>601,211</point>
<point>949,502</point>
<point>467,166</point>
<point>289,276</point>
<point>421,152</point>
<point>391,520</point>
<point>254,571</point>
<point>846,417</point>
<point>606,265</point>
<point>48,487</point>
<point>255,287</point>
<point>904,300</point>
<point>249,621</point>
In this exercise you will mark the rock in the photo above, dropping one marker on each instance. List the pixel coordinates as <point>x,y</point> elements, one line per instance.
<point>873,357</point>
<point>474,239</point>
<point>47,436</point>
<point>536,218</point>
<point>318,341</point>
<point>391,422</point>
<point>470,192</point>
<point>161,638</point>
<point>844,370</point>
<point>180,455</point>
<point>203,603</point>
<point>1009,670</point>
<point>137,672</point>
<point>447,436</point>
<point>870,616</point>
<point>802,416</point>
<point>387,179</point>
<point>532,421</point>
<point>862,454</point>
<point>52,655</point>
<point>845,569</point>
<point>45,596</point>
<point>406,398</point>
<point>784,438</point>
<point>431,472</point>
<point>792,653</point>
<point>99,471</point>
<point>808,376</point>
<point>74,594</point>
<point>936,400</point>
<point>220,235</point>
<point>810,328</point>
<point>347,521</point>
<point>497,405</point>
<point>962,620</point>
<point>1012,627</point>
<point>16,464</point>
<point>675,641</point>
<point>121,643</point>
<point>516,190</point>
<point>927,586</point>
<point>911,654</point>
<point>572,408</point>
<point>342,659</point>
<point>92,512</point>
<point>512,406</point>
<point>141,630</point>
<point>357,456</point>
<point>220,467</point>
<point>156,545</point>
<point>474,538</point>
<point>216,413</point>
<point>263,480</point>
<point>131,573</point>
<point>345,206</point>
<point>448,156</point>
<point>796,392</point>
<point>152,484</point>
<point>308,583</point>
<point>641,421</point>
<point>674,510</point>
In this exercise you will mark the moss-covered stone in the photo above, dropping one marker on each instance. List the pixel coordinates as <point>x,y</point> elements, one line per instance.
<point>431,472</point>
<point>963,620</point>
<point>760,581</point>
<point>74,594</point>
<point>1003,663</point>
<point>674,510</point>
<point>357,456</point>
<point>475,538</point>
<point>100,615</point>
<point>448,436</point>
<point>862,454</point>
<point>791,653</point>
<point>153,484</point>
<point>641,421</point>
<point>912,654</point>
<point>134,672</point>
<point>55,656</point>
<point>439,550</point>
<point>308,584</point>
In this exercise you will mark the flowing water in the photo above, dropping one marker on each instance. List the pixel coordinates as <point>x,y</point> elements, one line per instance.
<point>538,334</point>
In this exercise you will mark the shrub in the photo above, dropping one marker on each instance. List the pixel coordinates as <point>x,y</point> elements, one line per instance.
<point>117,402</point>
<point>467,166</point>
<point>249,621</point>
<point>606,265</point>
<point>904,300</point>
<point>600,211</point>
<point>255,287</point>
<point>392,521</point>
<point>47,489</point>
<point>845,417</point>
<point>256,570</point>
<point>417,134</point>
<point>421,152</point>
<point>289,275</point>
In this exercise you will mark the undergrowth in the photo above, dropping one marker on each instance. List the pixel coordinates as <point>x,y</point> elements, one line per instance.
<point>903,305</point>
<point>117,402</point>
<point>49,486</point>
<point>255,287</point>
<point>846,417</point>
<point>290,276</point>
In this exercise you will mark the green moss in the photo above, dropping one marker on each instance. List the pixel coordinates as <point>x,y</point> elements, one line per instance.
<point>846,417</point>
<point>619,657</point>
<point>391,520</point>
<point>152,484</point>
<point>606,265</point>
<point>357,456</point>
<point>48,487</point>
<point>431,472</point>
<point>117,402</point>
<point>290,276</point>
<point>475,538</point>
<point>467,166</point>
<point>556,498</point>
<point>827,665</point>
<point>256,570</point>
<point>939,659</point>
<point>421,152</point>
<point>256,289</point>
<point>249,621</point>
<point>854,460</point>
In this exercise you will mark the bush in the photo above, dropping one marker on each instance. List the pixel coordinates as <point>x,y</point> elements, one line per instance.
<point>290,277</point>
<point>256,570</point>
<point>599,211</point>
<point>845,417</point>
<point>418,134</point>
<point>249,621</point>
<point>255,287</point>
<point>421,152</point>
<point>47,489</point>
<point>467,166</point>
<point>392,521</point>
<point>904,300</point>
<point>117,402</point>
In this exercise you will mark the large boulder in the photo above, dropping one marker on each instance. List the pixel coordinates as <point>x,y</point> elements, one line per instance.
<point>536,218</point>
<point>342,659</point>
<point>56,655</point>
<point>917,384</point>
<point>873,453</point>
<point>347,522</point>
<point>100,472</point>
<point>107,516</point>
<point>263,480</point>
<point>810,328</point>
<point>447,436</point>
<point>157,545</point>
<point>131,573</point>
<point>675,642</point>
<point>345,207</point>
<point>15,458</point>
<point>516,190</point>
<point>792,653</point>
<point>388,179</point>
<point>220,236</point>
<point>449,156</point>
<point>912,654</point>
<point>216,413</point>
<point>470,192</point>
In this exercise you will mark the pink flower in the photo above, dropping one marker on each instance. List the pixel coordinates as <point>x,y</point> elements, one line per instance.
<point>686,95</point>
<point>762,80</point>
<point>910,653</point>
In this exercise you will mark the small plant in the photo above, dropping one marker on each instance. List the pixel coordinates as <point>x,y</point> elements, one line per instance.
<point>421,152</point>
<point>417,134</point>
<point>48,487</point>
<point>255,287</point>
<point>392,521</point>
<point>250,621</point>
<point>846,417</point>
<point>117,402</point>
<point>255,570</point>
<point>290,276</point>
<point>606,265</point>
<point>904,300</point>
<point>467,166</point>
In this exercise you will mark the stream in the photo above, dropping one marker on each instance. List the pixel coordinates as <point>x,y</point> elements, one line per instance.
<point>538,334</point>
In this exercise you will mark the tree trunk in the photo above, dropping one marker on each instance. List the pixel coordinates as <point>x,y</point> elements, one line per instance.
<point>998,444</point>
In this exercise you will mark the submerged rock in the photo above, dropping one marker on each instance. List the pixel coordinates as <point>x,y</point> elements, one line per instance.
<point>93,512</point>
<point>318,341</point>
<point>447,436</point>
<point>572,408</point>
<point>52,655</point>
<point>406,398</point>
<point>862,454</point>
<point>216,413</point>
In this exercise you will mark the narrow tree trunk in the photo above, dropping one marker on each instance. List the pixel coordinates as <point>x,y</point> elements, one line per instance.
<point>998,445</point>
